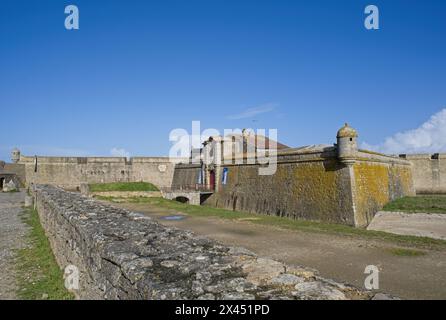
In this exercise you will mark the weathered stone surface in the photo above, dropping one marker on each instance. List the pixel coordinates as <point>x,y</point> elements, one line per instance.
<point>262,270</point>
<point>315,183</point>
<point>71,172</point>
<point>124,255</point>
<point>286,280</point>
<point>318,290</point>
<point>29,201</point>
<point>383,296</point>
<point>429,172</point>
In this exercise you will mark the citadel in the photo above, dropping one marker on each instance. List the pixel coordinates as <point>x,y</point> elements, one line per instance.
<point>339,183</point>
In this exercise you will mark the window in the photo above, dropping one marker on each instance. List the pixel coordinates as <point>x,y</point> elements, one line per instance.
<point>200,177</point>
<point>224,178</point>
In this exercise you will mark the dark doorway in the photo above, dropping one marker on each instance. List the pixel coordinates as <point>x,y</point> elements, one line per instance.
<point>212,180</point>
<point>2,181</point>
<point>182,199</point>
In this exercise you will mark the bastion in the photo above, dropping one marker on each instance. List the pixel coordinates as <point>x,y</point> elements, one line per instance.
<point>339,183</point>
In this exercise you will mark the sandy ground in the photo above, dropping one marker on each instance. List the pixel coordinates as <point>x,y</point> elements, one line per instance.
<point>12,232</point>
<point>416,224</point>
<point>337,257</point>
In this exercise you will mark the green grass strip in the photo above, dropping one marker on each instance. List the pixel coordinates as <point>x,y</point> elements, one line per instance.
<point>123,186</point>
<point>419,204</point>
<point>38,274</point>
<point>406,252</point>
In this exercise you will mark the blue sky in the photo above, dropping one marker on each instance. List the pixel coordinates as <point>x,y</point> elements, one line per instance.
<point>135,70</point>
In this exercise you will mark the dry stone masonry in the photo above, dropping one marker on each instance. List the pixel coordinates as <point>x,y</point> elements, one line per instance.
<point>125,255</point>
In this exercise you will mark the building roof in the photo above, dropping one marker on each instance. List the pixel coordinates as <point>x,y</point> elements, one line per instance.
<point>256,140</point>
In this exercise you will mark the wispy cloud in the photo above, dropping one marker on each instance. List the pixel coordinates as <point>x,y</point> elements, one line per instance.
<point>251,112</point>
<point>119,152</point>
<point>430,137</point>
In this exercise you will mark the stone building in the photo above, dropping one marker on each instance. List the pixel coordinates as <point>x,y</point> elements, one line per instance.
<point>233,148</point>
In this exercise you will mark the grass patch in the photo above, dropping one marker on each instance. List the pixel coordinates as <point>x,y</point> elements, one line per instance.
<point>300,225</point>
<point>39,275</point>
<point>406,252</point>
<point>421,204</point>
<point>123,186</point>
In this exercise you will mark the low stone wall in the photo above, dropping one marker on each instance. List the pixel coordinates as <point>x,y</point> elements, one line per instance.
<point>126,255</point>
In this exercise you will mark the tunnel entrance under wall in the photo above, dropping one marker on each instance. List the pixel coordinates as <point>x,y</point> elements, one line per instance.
<point>182,199</point>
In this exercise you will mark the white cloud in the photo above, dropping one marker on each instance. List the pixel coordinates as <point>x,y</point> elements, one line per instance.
<point>119,152</point>
<point>251,112</point>
<point>430,137</point>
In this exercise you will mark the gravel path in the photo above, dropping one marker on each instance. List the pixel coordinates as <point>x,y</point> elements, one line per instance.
<point>337,257</point>
<point>12,233</point>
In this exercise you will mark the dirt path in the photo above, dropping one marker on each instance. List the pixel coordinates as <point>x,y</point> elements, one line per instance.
<point>12,232</point>
<point>338,257</point>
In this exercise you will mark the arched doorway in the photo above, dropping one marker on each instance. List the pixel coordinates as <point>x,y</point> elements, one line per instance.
<point>212,180</point>
<point>182,199</point>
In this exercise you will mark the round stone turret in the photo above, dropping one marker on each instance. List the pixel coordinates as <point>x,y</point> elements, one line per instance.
<point>347,144</point>
<point>15,155</point>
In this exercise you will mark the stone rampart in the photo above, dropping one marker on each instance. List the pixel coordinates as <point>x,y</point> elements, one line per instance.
<point>71,172</point>
<point>126,255</point>
<point>310,184</point>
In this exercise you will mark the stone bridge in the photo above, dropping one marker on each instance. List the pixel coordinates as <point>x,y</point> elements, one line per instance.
<point>193,195</point>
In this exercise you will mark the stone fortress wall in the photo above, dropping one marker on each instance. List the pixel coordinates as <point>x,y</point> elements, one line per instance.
<point>429,172</point>
<point>71,172</point>
<point>339,183</point>
<point>312,184</point>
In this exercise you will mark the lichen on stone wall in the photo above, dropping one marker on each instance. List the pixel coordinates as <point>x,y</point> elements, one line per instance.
<point>314,190</point>
<point>376,184</point>
<point>371,182</point>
